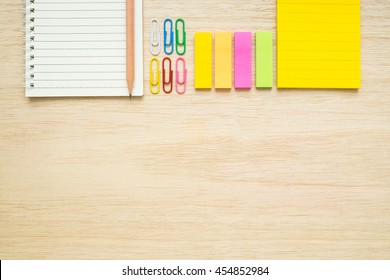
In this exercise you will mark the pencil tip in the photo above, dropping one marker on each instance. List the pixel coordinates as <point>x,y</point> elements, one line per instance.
<point>130,85</point>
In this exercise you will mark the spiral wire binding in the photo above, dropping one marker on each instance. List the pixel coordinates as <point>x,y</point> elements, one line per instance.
<point>29,41</point>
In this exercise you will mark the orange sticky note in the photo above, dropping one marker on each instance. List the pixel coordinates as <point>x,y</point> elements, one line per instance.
<point>223,60</point>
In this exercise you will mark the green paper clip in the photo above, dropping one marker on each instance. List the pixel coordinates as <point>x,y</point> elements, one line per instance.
<point>183,42</point>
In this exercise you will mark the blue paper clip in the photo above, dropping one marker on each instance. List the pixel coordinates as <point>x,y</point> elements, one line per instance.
<point>171,43</point>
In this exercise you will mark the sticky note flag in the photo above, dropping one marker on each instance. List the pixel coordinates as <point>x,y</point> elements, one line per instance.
<point>243,60</point>
<point>264,60</point>
<point>223,60</point>
<point>203,60</point>
<point>318,44</point>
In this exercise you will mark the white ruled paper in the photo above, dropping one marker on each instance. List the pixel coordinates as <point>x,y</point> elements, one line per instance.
<point>78,48</point>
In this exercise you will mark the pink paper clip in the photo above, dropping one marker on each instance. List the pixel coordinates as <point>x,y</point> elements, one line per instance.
<point>183,82</point>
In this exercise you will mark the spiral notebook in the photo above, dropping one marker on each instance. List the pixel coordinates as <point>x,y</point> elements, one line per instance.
<point>78,48</point>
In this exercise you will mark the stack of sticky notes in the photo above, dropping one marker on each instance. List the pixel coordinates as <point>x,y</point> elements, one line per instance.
<point>243,60</point>
<point>318,43</point>
<point>318,47</point>
<point>223,60</point>
<point>233,60</point>
<point>203,60</point>
<point>264,60</point>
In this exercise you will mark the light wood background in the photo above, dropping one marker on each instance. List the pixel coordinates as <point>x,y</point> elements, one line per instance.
<point>286,174</point>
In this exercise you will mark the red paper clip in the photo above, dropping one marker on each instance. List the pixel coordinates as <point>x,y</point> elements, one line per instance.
<point>169,81</point>
<point>183,82</point>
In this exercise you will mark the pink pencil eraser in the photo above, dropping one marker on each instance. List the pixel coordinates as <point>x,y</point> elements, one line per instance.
<point>243,60</point>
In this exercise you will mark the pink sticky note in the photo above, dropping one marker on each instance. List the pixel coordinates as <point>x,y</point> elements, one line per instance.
<point>243,60</point>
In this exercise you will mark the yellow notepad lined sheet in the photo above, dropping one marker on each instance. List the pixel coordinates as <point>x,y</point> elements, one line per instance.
<point>318,43</point>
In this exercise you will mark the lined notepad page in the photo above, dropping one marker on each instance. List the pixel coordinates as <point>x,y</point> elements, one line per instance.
<point>318,43</point>
<point>78,48</point>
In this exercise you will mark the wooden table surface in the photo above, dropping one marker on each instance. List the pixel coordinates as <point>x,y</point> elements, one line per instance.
<point>273,174</point>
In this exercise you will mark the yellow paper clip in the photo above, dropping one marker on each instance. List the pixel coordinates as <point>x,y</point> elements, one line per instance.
<point>155,83</point>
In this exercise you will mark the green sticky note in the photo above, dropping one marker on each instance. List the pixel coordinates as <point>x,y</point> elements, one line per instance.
<point>264,60</point>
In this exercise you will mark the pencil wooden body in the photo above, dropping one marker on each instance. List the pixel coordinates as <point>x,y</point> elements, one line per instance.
<point>130,44</point>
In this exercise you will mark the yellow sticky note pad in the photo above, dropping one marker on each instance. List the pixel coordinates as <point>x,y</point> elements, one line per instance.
<point>318,44</point>
<point>223,60</point>
<point>203,60</point>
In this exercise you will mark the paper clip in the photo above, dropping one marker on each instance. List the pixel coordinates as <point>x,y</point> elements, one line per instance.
<point>170,44</point>
<point>181,83</point>
<point>155,37</point>
<point>169,71</point>
<point>155,84</point>
<point>183,43</point>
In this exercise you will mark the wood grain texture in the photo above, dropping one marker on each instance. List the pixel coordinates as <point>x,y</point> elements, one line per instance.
<point>286,174</point>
